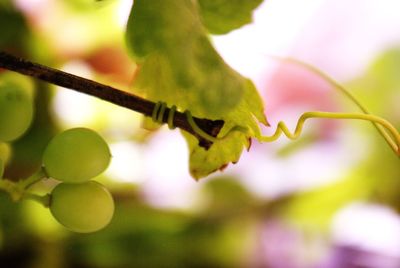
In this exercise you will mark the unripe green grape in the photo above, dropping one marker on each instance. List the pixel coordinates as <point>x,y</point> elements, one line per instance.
<point>76,155</point>
<point>82,207</point>
<point>16,108</point>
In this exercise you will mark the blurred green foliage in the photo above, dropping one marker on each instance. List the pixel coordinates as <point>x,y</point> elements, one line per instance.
<point>13,27</point>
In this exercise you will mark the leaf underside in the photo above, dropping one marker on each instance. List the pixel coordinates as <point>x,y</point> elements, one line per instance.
<point>179,66</point>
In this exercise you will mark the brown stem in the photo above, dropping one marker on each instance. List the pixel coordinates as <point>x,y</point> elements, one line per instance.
<point>107,93</point>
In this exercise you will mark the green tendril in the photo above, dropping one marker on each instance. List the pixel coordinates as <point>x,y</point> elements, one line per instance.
<point>391,140</point>
<point>171,115</point>
<point>158,115</point>
<point>159,111</point>
<point>198,130</point>
<point>339,87</point>
<point>387,130</point>
<point>282,128</point>
<point>155,111</point>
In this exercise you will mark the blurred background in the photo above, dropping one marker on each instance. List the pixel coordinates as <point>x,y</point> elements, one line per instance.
<point>329,200</point>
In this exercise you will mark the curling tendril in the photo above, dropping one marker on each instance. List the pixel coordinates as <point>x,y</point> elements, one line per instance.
<point>386,129</point>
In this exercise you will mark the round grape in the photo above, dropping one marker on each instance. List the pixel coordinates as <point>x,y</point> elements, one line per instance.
<point>16,109</point>
<point>83,208</point>
<point>76,155</point>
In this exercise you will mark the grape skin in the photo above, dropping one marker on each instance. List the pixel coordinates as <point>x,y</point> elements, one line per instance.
<point>76,155</point>
<point>83,208</point>
<point>16,110</point>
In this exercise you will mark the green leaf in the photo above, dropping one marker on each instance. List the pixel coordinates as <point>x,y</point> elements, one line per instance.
<point>227,150</point>
<point>179,66</point>
<point>203,162</point>
<point>223,16</point>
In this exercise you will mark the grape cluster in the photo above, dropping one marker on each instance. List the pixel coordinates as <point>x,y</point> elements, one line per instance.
<point>74,157</point>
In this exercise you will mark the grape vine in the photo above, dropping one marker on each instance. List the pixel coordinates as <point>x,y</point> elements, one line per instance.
<point>107,93</point>
<point>217,132</point>
<point>77,155</point>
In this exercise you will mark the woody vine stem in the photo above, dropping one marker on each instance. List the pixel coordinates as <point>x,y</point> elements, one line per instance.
<point>107,93</point>
<point>205,130</point>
